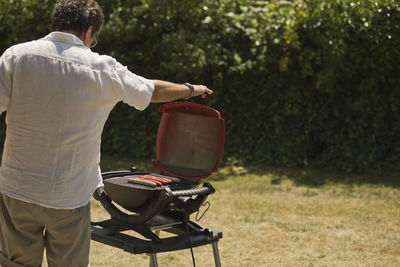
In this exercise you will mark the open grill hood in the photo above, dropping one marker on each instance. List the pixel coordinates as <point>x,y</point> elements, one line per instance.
<point>190,141</point>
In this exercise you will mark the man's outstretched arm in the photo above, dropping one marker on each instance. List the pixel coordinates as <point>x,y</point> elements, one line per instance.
<point>168,91</point>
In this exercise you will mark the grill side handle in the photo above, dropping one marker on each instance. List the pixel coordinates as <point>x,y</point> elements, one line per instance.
<point>141,218</point>
<point>207,189</point>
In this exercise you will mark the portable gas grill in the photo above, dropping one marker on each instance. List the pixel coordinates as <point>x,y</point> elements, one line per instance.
<point>190,142</point>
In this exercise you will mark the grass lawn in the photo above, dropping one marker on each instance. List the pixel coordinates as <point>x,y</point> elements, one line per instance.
<point>284,218</point>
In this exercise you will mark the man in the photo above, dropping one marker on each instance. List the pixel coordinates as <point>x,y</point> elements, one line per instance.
<point>58,95</point>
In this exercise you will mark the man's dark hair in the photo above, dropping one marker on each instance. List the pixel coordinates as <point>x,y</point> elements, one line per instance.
<point>77,16</point>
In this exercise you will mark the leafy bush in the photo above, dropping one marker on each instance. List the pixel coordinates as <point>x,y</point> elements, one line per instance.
<point>300,83</point>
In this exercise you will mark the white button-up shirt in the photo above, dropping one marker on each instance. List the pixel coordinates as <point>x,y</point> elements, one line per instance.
<point>58,95</point>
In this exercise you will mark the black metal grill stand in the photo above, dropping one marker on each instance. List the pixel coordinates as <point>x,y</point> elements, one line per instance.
<point>186,235</point>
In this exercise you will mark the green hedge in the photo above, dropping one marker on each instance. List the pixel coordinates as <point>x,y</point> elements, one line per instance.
<point>299,83</point>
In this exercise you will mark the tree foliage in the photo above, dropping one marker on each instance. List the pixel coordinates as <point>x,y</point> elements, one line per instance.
<point>300,83</point>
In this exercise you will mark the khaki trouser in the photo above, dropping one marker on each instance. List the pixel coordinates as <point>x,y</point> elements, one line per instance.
<point>26,228</point>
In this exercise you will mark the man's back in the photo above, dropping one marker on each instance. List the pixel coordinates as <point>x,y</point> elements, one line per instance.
<point>61,96</point>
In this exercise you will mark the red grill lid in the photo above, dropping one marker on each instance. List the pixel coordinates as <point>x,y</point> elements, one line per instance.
<point>190,140</point>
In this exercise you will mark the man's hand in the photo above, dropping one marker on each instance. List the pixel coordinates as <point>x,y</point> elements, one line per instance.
<point>201,90</point>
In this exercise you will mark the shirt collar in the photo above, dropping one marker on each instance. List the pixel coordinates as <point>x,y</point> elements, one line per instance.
<point>64,37</point>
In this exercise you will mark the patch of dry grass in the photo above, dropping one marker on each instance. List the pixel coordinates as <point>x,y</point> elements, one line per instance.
<point>269,219</point>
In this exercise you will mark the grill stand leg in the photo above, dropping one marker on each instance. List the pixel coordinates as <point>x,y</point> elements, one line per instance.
<point>153,256</point>
<point>217,260</point>
<point>153,260</point>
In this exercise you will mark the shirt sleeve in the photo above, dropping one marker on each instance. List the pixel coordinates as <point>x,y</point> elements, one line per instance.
<point>5,81</point>
<point>134,90</point>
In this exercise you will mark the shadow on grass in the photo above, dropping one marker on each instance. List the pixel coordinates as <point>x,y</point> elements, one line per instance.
<point>318,178</point>
<point>118,162</point>
<point>303,177</point>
